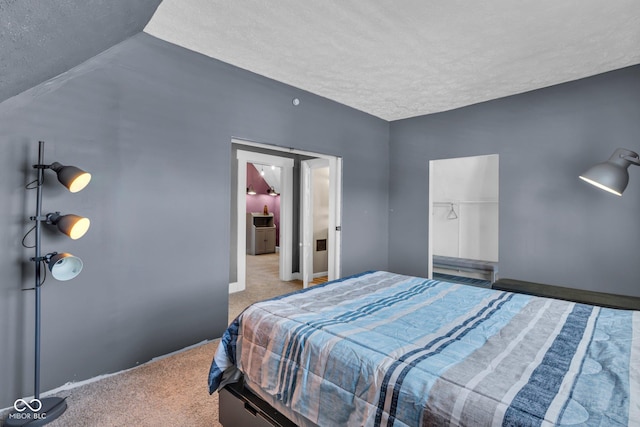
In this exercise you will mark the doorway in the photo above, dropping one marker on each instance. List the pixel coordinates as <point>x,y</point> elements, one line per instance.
<point>288,270</point>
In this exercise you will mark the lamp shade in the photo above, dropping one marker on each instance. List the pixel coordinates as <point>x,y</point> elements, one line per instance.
<point>64,266</point>
<point>608,177</point>
<point>72,225</point>
<point>612,175</point>
<point>75,179</point>
<point>250,190</point>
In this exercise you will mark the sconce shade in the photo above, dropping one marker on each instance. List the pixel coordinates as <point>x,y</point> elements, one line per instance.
<point>72,225</point>
<point>272,192</point>
<point>612,175</point>
<point>64,266</point>
<point>608,177</point>
<point>250,190</point>
<point>75,179</point>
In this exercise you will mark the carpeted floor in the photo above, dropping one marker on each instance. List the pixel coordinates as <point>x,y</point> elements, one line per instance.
<point>170,391</point>
<point>263,283</point>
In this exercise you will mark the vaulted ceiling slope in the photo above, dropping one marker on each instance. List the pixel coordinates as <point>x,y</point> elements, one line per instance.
<point>40,39</point>
<point>392,59</point>
<point>399,59</point>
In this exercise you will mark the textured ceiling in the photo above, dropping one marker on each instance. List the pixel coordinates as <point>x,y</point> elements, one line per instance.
<point>399,59</point>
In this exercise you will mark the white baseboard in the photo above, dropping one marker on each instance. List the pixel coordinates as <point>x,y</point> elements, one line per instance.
<point>235,287</point>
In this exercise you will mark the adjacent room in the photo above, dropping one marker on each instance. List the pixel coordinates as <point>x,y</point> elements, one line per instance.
<point>274,207</point>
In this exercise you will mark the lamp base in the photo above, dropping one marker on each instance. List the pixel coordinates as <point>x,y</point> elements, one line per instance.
<point>52,408</point>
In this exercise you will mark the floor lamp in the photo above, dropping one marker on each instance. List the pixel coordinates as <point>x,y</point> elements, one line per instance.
<point>63,266</point>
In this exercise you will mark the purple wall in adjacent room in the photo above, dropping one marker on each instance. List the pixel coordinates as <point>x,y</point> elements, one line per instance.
<point>256,203</point>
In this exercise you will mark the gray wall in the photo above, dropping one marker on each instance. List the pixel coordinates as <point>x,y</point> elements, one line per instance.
<point>153,122</point>
<point>554,228</point>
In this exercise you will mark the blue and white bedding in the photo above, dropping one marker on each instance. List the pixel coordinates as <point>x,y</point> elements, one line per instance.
<point>381,349</point>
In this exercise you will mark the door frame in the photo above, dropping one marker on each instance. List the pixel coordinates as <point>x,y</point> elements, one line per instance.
<point>286,210</point>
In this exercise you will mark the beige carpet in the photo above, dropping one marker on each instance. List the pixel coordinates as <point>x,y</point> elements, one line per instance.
<point>263,283</point>
<point>168,392</point>
<point>171,391</point>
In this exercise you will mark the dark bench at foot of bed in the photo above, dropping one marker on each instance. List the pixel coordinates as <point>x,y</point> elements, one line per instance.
<point>569,294</point>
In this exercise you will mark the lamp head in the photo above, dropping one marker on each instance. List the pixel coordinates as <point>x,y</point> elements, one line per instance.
<point>75,179</point>
<point>612,175</point>
<point>72,225</point>
<point>64,266</point>
<point>250,190</point>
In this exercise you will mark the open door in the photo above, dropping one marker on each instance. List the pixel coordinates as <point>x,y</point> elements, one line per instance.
<point>306,219</point>
<point>287,211</point>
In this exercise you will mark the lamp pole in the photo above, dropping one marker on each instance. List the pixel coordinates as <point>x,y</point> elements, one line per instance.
<point>50,407</point>
<point>37,260</point>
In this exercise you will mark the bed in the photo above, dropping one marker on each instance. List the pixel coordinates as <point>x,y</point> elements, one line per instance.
<point>383,349</point>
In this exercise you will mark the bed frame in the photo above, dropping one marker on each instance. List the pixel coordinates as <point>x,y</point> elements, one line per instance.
<point>239,407</point>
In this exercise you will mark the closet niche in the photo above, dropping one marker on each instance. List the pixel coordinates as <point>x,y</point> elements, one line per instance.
<point>463,226</point>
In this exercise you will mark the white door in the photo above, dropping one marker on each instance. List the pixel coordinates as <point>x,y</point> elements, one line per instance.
<point>306,219</point>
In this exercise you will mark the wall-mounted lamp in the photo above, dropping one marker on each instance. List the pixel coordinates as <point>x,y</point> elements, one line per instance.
<point>63,266</point>
<point>612,175</point>
<point>272,192</point>
<point>250,190</point>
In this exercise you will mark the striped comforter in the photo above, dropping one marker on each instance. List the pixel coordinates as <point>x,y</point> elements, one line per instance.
<point>381,349</point>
